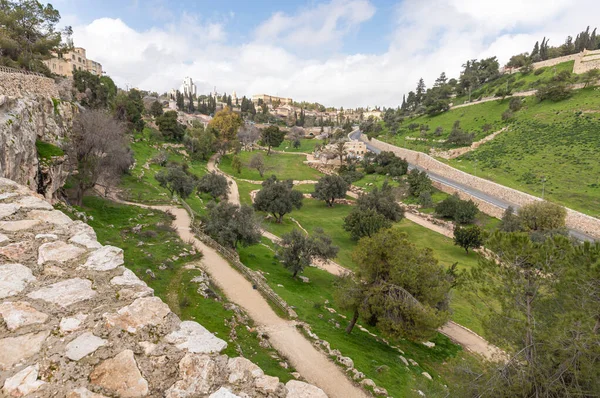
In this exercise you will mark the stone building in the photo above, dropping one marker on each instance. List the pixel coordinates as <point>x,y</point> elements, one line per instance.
<point>188,87</point>
<point>269,99</point>
<point>66,64</point>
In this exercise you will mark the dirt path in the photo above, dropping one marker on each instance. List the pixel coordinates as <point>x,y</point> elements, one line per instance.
<point>312,364</point>
<point>472,341</point>
<point>234,194</point>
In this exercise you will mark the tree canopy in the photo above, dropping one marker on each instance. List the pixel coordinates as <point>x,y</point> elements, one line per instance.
<point>278,198</point>
<point>297,250</point>
<point>329,188</point>
<point>231,224</point>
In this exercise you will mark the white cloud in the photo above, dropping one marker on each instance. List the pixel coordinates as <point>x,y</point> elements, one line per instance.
<point>429,37</point>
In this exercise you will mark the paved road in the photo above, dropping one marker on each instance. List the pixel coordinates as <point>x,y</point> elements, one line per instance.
<point>355,135</point>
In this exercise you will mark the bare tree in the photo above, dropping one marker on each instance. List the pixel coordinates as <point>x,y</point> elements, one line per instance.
<point>100,149</point>
<point>248,134</point>
<point>258,162</point>
<point>340,151</point>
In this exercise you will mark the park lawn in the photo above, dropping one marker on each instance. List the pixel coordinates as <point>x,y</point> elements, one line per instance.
<point>557,142</point>
<point>307,145</point>
<point>113,224</point>
<point>316,214</point>
<point>377,360</point>
<point>284,166</point>
<point>374,180</point>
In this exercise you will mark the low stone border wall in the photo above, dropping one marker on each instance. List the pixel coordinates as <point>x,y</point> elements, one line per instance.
<point>575,220</point>
<point>16,84</point>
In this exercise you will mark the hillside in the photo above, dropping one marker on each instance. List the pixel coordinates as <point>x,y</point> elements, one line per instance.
<point>555,141</point>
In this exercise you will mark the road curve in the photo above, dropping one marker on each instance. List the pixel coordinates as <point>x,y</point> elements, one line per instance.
<point>503,204</point>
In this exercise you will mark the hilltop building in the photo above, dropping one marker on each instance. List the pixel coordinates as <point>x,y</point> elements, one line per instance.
<point>188,87</point>
<point>269,99</point>
<point>66,64</point>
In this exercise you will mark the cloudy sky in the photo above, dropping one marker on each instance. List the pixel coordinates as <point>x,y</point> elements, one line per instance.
<point>337,52</point>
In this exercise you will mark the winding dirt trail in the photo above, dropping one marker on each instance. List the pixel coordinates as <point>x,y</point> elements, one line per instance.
<point>234,193</point>
<point>312,364</point>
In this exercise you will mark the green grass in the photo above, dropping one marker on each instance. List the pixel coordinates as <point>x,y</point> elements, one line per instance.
<point>284,166</point>
<point>374,358</point>
<point>555,141</point>
<point>46,150</point>
<point>307,145</point>
<point>113,224</point>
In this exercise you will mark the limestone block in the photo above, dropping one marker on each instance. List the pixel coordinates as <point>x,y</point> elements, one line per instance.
<point>18,251</point>
<point>85,239</point>
<point>58,251</point>
<point>268,384</point>
<point>23,383</point>
<point>31,202</point>
<point>198,374</point>
<point>121,376</point>
<point>71,324</point>
<point>223,393</point>
<point>17,349</point>
<point>8,209</point>
<point>46,237</point>
<point>299,389</point>
<point>142,312</point>
<point>20,313</point>
<point>83,345</point>
<point>53,217</point>
<point>104,259</point>
<point>196,339</point>
<point>242,370</point>
<point>65,293</point>
<point>15,226</point>
<point>128,279</point>
<point>4,238</point>
<point>13,279</point>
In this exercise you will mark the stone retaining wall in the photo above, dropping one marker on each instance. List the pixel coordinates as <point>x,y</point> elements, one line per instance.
<point>21,85</point>
<point>556,61</point>
<point>575,219</point>
<point>76,323</point>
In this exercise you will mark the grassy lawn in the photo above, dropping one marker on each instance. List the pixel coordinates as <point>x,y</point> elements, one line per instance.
<point>374,180</point>
<point>307,145</point>
<point>284,166</point>
<point>113,224</point>
<point>375,359</point>
<point>555,141</point>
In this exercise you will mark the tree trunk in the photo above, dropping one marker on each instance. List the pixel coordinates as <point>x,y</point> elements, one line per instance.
<point>295,273</point>
<point>268,150</point>
<point>79,194</point>
<point>352,322</point>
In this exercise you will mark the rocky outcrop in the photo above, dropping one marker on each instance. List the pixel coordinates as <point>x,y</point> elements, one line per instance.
<point>74,322</point>
<point>30,110</point>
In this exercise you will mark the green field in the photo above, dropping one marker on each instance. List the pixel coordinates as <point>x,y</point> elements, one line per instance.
<point>555,141</point>
<point>113,224</point>
<point>307,145</point>
<point>284,166</point>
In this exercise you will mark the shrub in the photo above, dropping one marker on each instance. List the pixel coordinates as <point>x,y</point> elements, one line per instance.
<point>425,199</point>
<point>515,104</point>
<point>539,71</point>
<point>507,115</point>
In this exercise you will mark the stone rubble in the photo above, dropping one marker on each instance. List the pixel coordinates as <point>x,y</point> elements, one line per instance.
<point>76,323</point>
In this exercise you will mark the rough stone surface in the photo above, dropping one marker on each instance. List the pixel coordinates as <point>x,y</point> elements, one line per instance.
<point>142,312</point>
<point>20,313</point>
<point>66,292</point>
<point>242,370</point>
<point>23,383</point>
<point>105,259</point>
<point>58,251</point>
<point>53,217</point>
<point>83,345</point>
<point>17,349</point>
<point>13,279</point>
<point>67,330</point>
<point>71,324</point>
<point>223,393</point>
<point>299,389</point>
<point>85,239</point>
<point>195,338</point>
<point>21,225</point>
<point>121,376</point>
<point>8,209</point>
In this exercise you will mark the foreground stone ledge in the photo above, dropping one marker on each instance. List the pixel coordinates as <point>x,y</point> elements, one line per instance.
<point>76,323</point>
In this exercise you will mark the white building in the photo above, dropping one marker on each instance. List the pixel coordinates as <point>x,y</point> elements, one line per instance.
<point>188,87</point>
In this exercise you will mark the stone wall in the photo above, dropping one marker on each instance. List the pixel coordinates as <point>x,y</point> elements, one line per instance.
<point>74,322</point>
<point>588,61</point>
<point>20,85</point>
<point>575,219</point>
<point>30,110</point>
<point>556,61</point>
